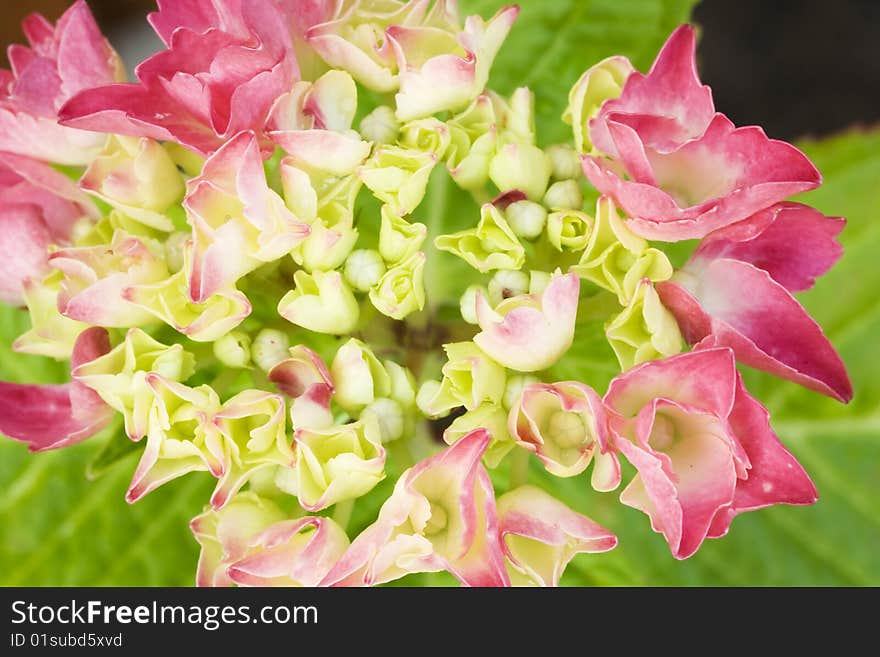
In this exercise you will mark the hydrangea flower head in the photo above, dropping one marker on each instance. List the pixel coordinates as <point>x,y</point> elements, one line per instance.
<point>249,259</point>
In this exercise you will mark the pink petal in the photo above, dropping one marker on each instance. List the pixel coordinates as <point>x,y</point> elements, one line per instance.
<point>671,92</point>
<point>705,379</point>
<point>276,563</point>
<point>24,242</point>
<point>54,416</point>
<point>775,477</point>
<point>742,307</point>
<point>682,498</point>
<point>722,177</point>
<point>474,556</point>
<point>794,243</point>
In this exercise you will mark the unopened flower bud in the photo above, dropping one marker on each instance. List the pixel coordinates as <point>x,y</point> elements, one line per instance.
<point>233,349</point>
<point>564,195</point>
<point>321,302</point>
<point>380,125</point>
<point>363,269</point>
<point>468,303</point>
<point>425,397</point>
<point>507,283</point>
<point>538,281</point>
<point>515,385</point>
<point>269,348</point>
<point>389,417</point>
<point>527,219</point>
<point>564,162</point>
<point>523,167</point>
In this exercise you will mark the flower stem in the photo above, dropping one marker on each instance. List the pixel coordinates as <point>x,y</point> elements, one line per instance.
<point>519,468</point>
<point>342,513</point>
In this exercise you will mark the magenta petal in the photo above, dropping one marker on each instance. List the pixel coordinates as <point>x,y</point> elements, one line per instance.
<point>24,240</point>
<point>53,416</point>
<point>792,242</point>
<point>705,379</point>
<point>683,488</point>
<point>741,307</point>
<point>775,476</point>
<point>710,182</point>
<point>671,92</point>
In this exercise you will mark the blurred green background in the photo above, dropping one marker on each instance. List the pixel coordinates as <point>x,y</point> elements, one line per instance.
<point>60,527</point>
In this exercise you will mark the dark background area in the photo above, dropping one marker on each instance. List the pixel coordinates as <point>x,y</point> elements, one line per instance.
<point>796,67</point>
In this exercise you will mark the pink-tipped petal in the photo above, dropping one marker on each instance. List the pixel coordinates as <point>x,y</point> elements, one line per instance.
<point>671,91</point>
<point>54,416</point>
<point>706,379</point>
<point>792,242</point>
<point>742,307</point>
<point>541,535</point>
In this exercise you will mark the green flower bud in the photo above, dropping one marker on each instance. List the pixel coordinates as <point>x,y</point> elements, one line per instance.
<point>427,135</point>
<point>564,195</point>
<point>398,176</point>
<point>644,330</point>
<point>389,417</point>
<point>398,238</point>
<point>380,125</point>
<point>521,167</point>
<point>325,248</point>
<point>338,463</point>
<point>426,400</point>
<point>233,349</point>
<point>507,283</point>
<point>401,291</point>
<point>138,177</point>
<point>51,333</point>
<point>527,219</point>
<point>358,376</point>
<point>491,245</point>
<point>539,280</point>
<point>119,376</point>
<point>269,348</point>
<point>569,229</point>
<point>514,388</point>
<point>472,145</point>
<point>468,303</point>
<point>491,417</point>
<point>363,269</point>
<point>564,161</point>
<point>321,302</point>
<point>616,259</point>
<point>403,386</point>
<point>603,81</point>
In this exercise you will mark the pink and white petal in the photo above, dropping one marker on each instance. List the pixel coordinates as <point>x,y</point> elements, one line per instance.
<point>528,338</point>
<point>736,300</point>
<point>704,379</point>
<point>775,477</point>
<point>683,503</point>
<point>532,514</point>
<point>483,563</point>
<point>278,558</point>
<point>24,242</point>
<point>671,91</point>
<point>332,101</point>
<point>85,58</point>
<point>336,153</point>
<point>725,176</point>
<point>54,416</point>
<point>195,15</point>
<point>792,242</point>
